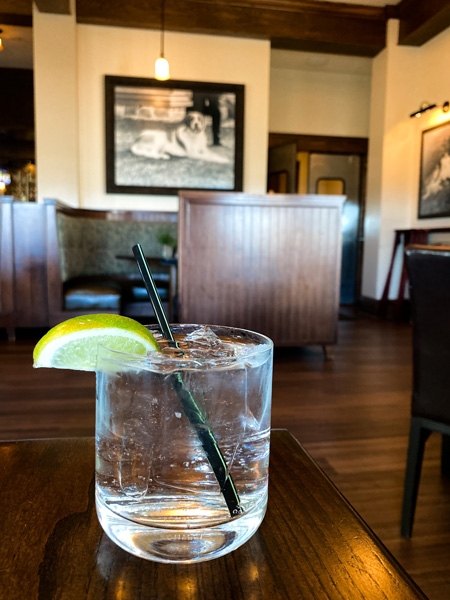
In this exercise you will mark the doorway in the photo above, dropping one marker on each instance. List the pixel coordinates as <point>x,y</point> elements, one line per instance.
<point>340,174</point>
<point>325,165</point>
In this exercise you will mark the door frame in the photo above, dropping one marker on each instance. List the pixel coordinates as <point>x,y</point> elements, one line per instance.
<point>328,144</point>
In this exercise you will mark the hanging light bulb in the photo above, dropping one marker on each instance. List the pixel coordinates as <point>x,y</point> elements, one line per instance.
<point>162,69</point>
<point>1,42</point>
<point>162,65</point>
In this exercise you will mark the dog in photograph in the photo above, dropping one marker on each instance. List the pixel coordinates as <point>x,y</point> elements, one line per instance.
<point>192,136</point>
<point>159,142</point>
<point>188,140</point>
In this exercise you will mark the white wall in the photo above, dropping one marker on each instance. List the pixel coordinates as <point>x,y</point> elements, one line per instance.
<point>317,94</point>
<point>56,106</point>
<point>434,82</point>
<point>345,98</point>
<point>374,175</point>
<point>403,78</point>
<point>70,94</point>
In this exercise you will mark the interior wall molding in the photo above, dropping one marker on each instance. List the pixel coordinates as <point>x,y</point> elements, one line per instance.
<point>321,143</point>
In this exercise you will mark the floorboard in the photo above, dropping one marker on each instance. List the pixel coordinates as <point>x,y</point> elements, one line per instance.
<point>351,414</point>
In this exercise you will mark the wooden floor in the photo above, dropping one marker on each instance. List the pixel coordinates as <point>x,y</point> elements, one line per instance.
<point>351,414</point>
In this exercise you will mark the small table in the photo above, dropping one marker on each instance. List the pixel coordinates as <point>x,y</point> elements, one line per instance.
<point>311,544</point>
<point>170,264</point>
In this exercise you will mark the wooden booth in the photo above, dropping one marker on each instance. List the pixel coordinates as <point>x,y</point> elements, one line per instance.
<point>58,262</point>
<point>269,263</point>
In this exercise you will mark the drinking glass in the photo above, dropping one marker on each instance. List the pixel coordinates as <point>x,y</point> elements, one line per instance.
<point>182,443</point>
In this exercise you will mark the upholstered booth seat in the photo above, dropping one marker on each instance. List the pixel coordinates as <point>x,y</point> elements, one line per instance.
<point>139,293</point>
<point>79,261</point>
<point>98,269</point>
<point>92,297</point>
<point>135,300</point>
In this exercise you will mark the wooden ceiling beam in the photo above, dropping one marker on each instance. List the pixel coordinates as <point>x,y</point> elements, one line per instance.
<point>59,7</point>
<point>16,9</point>
<point>337,28</point>
<point>288,24</point>
<point>421,20</point>
<point>16,12</point>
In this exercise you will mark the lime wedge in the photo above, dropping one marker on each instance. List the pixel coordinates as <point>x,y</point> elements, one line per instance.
<point>73,343</point>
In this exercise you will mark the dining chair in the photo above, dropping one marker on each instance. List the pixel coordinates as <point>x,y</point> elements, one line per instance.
<point>428,270</point>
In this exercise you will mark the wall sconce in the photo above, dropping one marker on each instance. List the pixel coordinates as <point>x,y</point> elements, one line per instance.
<point>1,41</point>
<point>161,65</point>
<point>427,106</point>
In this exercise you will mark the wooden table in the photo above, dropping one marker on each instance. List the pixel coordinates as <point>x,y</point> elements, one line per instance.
<point>311,544</point>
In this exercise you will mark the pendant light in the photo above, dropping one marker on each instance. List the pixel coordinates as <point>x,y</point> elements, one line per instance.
<point>161,64</point>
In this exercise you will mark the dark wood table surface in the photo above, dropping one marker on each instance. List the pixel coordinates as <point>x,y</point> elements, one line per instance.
<point>311,544</point>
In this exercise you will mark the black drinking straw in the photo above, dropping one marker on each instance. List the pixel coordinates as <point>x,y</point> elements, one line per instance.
<point>153,295</point>
<point>187,401</point>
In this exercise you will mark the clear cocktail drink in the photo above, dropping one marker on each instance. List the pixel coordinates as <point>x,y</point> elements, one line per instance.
<point>164,424</point>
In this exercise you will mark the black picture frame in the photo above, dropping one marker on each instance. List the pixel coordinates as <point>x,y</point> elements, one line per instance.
<point>164,136</point>
<point>434,187</point>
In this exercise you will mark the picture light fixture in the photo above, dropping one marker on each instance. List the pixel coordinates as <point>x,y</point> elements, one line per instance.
<point>427,106</point>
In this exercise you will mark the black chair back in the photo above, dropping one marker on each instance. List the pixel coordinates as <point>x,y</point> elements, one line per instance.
<point>429,279</point>
<point>428,270</point>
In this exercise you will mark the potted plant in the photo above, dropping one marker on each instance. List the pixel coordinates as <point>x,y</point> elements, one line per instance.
<point>168,242</point>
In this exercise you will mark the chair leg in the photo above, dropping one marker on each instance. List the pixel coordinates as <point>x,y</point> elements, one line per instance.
<point>328,351</point>
<point>418,435</point>
<point>445,456</point>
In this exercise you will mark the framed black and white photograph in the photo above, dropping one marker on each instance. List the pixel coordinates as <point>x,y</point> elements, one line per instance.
<point>434,192</point>
<point>163,136</point>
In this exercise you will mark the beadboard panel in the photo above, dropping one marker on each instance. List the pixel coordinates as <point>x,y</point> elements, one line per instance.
<point>270,263</point>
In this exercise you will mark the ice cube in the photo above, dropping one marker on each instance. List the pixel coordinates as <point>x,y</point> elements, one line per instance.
<point>204,336</point>
<point>204,344</point>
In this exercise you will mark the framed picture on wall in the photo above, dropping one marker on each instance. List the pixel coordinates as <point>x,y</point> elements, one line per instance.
<point>434,191</point>
<point>163,136</point>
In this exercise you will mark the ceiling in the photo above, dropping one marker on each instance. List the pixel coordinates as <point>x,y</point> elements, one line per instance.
<point>354,28</point>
